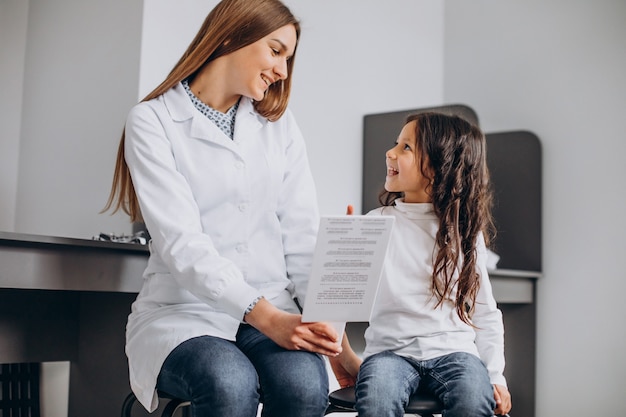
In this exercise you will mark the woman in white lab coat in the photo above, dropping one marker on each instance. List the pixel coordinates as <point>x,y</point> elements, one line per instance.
<point>214,164</point>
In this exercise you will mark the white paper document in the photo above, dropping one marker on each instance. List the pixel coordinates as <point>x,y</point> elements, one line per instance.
<point>347,266</point>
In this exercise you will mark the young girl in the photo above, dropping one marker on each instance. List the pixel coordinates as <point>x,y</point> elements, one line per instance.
<point>435,325</point>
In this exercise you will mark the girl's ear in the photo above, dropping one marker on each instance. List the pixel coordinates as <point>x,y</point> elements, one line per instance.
<point>428,172</point>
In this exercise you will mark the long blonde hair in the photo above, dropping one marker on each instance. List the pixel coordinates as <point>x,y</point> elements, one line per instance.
<point>231,25</point>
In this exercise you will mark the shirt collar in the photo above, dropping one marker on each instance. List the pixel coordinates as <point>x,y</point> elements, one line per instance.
<point>415,210</point>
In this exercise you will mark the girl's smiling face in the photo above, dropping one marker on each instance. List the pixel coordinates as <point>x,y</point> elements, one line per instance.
<point>404,173</point>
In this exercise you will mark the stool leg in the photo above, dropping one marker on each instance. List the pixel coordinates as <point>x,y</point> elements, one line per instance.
<point>174,405</point>
<point>127,406</point>
<point>335,409</point>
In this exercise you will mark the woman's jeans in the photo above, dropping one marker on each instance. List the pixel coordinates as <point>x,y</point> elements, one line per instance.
<point>460,381</point>
<point>229,379</point>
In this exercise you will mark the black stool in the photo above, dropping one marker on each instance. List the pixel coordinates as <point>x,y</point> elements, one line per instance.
<point>340,401</point>
<point>173,404</point>
<point>424,405</point>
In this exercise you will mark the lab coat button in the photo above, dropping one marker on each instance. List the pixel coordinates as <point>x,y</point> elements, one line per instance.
<point>239,164</point>
<point>243,207</point>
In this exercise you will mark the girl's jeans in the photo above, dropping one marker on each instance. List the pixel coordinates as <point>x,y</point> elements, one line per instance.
<point>460,380</point>
<point>224,378</point>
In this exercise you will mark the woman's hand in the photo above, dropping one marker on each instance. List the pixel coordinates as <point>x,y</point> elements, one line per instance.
<point>503,399</point>
<point>288,331</point>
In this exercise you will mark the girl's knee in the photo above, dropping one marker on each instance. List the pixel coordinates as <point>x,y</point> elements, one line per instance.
<point>468,398</point>
<point>470,406</point>
<point>384,385</point>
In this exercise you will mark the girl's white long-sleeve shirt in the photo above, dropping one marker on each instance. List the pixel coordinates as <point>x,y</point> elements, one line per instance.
<point>405,319</point>
<point>229,220</point>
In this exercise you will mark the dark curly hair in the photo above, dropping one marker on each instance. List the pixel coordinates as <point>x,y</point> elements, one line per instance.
<point>452,155</point>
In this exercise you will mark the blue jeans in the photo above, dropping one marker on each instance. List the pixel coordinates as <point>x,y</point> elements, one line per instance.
<point>224,378</point>
<point>460,380</point>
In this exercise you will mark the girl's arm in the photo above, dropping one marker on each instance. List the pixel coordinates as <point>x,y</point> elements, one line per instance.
<point>488,321</point>
<point>346,365</point>
<point>490,334</point>
<point>503,399</point>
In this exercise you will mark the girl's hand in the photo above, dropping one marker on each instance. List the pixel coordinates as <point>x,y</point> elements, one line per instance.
<point>346,365</point>
<point>288,331</point>
<point>503,399</point>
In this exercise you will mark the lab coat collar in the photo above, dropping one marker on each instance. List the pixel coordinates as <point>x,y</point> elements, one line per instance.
<point>181,109</point>
<point>178,103</point>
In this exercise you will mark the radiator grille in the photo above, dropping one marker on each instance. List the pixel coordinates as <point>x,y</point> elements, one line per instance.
<point>19,390</point>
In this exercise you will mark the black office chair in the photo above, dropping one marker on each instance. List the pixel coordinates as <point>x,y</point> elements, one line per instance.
<point>173,404</point>
<point>424,405</point>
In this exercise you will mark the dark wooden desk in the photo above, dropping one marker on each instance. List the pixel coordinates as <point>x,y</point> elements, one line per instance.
<point>68,300</point>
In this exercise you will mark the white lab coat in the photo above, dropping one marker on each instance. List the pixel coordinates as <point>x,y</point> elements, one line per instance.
<point>229,220</point>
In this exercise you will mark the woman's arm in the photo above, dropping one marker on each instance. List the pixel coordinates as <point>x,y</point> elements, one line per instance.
<point>297,208</point>
<point>171,212</point>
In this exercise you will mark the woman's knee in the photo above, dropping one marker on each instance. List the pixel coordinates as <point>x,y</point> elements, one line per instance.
<point>298,374</point>
<point>208,366</point>
<point>296,384</point>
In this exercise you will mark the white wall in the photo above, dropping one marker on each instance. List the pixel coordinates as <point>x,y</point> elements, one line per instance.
<point>557,68</point>
<point>358,58</point>
<point>387,56</point>
<point>160,47</point>
<point>80,77</point>
<point>13,24</point>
